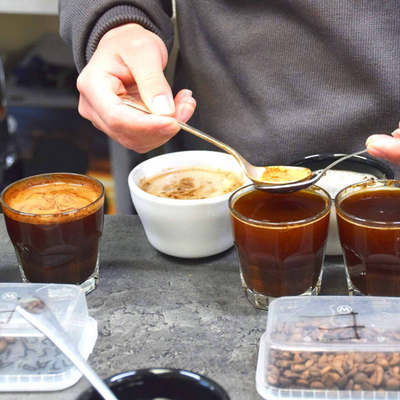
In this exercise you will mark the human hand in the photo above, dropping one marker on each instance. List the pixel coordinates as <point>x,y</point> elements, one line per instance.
<point>385,146</point>
<point>130,60</point>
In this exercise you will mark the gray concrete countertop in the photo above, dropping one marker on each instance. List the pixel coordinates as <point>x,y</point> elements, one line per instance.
<point>155,310</point>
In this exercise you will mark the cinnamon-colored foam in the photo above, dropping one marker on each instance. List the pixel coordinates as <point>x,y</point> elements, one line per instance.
<point>192,184</point>
<point>52,198</point>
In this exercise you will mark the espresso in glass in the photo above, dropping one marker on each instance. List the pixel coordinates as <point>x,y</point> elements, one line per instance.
<point>55,223</point>
<point>280,240</point>
<point>368,216</point>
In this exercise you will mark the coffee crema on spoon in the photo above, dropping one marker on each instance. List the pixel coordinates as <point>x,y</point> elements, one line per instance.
<point>264,176</point>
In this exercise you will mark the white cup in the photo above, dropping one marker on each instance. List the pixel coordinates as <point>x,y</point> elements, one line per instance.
<point>185,228</point>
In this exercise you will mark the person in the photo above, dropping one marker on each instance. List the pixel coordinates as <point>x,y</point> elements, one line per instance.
<point>277,80</point>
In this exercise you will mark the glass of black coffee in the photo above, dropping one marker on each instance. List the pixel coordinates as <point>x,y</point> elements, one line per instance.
<point>280,240</point>
<point>55,222</point>
<point>368,216</point>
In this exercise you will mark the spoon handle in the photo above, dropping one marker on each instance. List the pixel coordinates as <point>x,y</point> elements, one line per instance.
<point>36,312</point>
<point>321,174</point>
<point>139,105</point>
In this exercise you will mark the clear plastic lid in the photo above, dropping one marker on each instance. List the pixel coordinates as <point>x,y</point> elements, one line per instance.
<point>330,345</point>
<point>28,360</point>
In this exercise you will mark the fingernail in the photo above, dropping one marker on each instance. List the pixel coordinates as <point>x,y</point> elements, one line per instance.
<point>186,113</point>
<point>375,152</point>
<point>396,133</point>
<point>162,105</point>
<point>169,130</point>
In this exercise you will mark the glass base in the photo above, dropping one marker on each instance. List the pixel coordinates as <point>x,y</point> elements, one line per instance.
<point>353,291</point>
<point>262,302</point>
<point>88,286</point>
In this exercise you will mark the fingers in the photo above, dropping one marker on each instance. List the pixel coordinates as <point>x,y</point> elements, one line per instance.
<point>385,146</point>
<point>146,59</point>
<point>185,105</point>
<point>130,59</point>
<point>146,133</point>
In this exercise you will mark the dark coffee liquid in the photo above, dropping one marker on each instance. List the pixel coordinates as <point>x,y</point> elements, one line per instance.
<point>60,252</point>
<point>372,253</point>
<point>284,260</point>
<point>55,223</point>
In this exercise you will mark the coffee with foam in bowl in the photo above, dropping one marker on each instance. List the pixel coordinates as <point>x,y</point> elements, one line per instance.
<point>186,227</point>
<point>192,183</point>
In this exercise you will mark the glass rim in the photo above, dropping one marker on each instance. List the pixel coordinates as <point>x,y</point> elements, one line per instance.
<point>367,185</point>
<point>3,203</point>
<point>267,224</point>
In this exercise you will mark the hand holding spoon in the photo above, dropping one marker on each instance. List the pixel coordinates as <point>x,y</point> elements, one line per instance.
<point>273,179</point>
<point>259,175</point>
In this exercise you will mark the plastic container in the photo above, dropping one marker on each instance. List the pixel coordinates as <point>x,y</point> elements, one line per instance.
<point>28,360</point>
<point>331,347</point>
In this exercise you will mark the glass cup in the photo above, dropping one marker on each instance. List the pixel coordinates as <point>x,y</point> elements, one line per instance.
<point>280,253</point>
<point>54,246</point>
<point>368,216</point>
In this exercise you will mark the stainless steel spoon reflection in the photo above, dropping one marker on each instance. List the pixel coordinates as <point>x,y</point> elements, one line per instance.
<point>35,311</point>
<point>270,175</point>
<point>294,187</point>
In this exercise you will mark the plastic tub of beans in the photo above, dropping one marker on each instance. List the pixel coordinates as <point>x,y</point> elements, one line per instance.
<point>331,347</point>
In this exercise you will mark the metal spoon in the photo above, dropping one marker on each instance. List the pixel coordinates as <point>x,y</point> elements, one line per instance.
<point>261,176</point>
<point>294,187</point>
<point>35,311</point>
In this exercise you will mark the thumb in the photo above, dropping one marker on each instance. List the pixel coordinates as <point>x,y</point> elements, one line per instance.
<point>147,70</point>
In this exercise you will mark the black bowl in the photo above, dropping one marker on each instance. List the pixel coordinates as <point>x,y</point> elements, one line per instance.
<point>160,383</point>
<point>361,164</point>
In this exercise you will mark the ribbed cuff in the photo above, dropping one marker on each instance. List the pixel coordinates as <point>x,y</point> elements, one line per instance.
<point>121,15</point>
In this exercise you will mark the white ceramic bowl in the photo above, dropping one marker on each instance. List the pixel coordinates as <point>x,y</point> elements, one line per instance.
<point>185,228</point>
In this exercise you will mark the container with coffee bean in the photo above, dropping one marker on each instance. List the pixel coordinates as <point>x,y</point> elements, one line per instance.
<point>326,346</point>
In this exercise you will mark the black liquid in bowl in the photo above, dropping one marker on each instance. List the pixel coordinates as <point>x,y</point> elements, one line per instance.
<point>360,164</point>
<point>160,384</point>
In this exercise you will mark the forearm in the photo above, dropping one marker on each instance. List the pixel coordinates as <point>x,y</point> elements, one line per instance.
<point>84,22</point>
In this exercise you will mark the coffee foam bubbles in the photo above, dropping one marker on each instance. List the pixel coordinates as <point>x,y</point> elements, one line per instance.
<point>192,183</point>
<point>54,198</point>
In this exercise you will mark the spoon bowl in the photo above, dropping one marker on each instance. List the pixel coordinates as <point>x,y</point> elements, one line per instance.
<point>300,185</point>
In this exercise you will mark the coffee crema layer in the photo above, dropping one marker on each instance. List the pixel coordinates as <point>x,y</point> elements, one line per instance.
<point>52,199</point>
<point>192,183</point>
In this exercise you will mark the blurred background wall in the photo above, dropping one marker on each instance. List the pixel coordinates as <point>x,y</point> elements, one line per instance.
<point>45,131</point>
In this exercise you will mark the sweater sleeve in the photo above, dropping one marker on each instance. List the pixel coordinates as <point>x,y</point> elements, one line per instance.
<point>84,22</point>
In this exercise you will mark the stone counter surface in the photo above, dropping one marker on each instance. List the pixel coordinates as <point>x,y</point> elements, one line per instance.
<point>155,310</point>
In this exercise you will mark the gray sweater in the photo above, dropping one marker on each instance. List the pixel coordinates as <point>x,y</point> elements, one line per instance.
<point>276,79</point>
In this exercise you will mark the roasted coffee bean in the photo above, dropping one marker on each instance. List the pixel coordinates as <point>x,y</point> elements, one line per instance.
<point>369,369</point>
<point>342,382</point>
<point>317,385</point>
<point>298,368</point>
<point>285,382</point>
<point>393,384</point>
<point>370,358</point>
<point>383,362</point>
